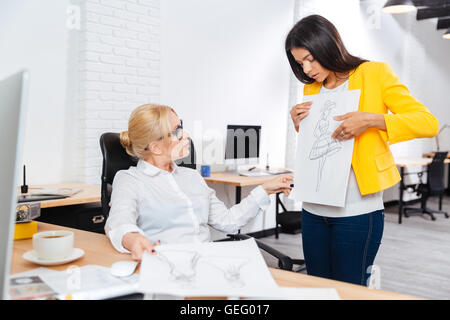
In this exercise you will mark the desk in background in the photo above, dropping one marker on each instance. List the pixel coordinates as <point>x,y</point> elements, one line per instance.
<point>408,162</point>
<point>98,250</point>
<point>88,194</point>
<point>81,211</point>
<point>236,180</point>
<point>431,155</point>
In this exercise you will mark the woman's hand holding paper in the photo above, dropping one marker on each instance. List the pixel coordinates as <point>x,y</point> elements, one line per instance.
<point>299,112</point>
<point>281,183</point>
<point>137,244</point>
<point>355,123</point>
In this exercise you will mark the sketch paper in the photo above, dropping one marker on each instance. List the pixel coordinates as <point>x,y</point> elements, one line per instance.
<point>231,268</point>
<point>322,165</point>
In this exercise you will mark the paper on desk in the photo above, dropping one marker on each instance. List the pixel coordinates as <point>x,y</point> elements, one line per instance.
<point>90,282</point>
<point>234,268</point>
<point>293,293</point>
<point>33,272</point>
<point>56,192</point>
<point>29,285</point>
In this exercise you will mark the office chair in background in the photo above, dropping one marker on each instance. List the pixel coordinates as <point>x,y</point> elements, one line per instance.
<point>433,187</point>
<point>286,221</point>
<point>115,158</point>
<point>289,222</point>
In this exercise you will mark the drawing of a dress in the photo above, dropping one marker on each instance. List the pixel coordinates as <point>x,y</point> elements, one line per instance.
<point>324,146</point>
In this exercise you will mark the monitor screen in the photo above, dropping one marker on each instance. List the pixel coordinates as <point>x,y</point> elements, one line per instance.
<point>242,142</point>
<point>13,94</point>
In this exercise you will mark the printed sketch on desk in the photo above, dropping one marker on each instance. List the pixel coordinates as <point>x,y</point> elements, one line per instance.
<point>230,268</point>
<point>184,265</point>
<point>322,164</point>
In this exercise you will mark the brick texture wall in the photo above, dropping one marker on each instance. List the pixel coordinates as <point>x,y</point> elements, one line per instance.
<point>118,63</point>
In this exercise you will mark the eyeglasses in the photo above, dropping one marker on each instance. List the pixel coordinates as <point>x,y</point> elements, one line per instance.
<point>177,133</point>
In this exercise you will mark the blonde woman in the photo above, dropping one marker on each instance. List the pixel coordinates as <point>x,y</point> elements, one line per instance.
<point>160,202</point>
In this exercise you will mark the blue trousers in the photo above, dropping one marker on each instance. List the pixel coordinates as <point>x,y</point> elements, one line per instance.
<point>341,248</point>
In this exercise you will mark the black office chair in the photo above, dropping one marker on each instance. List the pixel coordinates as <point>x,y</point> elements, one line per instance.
<point>433,187</point>
<point>115,158</point>
<point>286,221</point>
<point>290,222</point>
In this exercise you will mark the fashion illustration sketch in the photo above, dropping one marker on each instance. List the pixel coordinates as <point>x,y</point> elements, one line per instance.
<point>324,146</point>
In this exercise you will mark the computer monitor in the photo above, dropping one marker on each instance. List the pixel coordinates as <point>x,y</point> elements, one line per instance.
<point>13,100</point>
<point>242,145</point>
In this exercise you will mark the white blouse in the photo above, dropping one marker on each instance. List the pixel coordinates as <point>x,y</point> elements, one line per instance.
<point>355,203</point>
<point>173,207</point>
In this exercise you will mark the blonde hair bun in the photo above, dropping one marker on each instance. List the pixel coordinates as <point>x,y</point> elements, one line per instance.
<point>126,142</point>
<point>147,123</point>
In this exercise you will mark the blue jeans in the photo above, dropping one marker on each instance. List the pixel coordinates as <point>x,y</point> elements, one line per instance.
<point>341,248</point>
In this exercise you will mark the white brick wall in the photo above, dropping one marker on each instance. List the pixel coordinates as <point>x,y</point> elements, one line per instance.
<point>118,70</point>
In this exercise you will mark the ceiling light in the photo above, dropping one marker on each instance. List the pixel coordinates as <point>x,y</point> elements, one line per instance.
<point>446,34</point>
<point>398,6</point>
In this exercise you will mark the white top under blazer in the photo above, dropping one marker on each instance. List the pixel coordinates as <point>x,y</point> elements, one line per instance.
<point>355,203</point>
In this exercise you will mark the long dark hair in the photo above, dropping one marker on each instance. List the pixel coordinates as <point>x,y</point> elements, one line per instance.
<point>321,38</point>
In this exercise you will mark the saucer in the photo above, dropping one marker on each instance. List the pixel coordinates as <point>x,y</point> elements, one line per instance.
<point>32,257</point>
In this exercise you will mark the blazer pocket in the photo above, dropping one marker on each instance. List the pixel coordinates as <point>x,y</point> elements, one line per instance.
<point>384,161</point>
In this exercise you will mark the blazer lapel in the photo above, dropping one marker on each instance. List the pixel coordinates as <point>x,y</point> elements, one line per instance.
<point>355,83</point>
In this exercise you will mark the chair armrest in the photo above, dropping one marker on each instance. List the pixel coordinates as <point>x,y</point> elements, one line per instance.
<point>284,262</point>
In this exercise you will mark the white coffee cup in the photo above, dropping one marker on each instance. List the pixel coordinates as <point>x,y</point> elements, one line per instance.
<point>53,245</point>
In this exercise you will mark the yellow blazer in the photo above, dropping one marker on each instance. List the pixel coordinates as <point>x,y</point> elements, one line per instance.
<point>381,91</point>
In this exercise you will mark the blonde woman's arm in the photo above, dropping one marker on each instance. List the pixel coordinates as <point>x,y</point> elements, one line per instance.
<point>121,226</point>
<point>231,219</point>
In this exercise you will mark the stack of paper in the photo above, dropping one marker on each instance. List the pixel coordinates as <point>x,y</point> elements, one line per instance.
<point>90,282</point>
<point>68,192</point>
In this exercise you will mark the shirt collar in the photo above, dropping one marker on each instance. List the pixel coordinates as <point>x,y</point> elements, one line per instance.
<point>151,170</point>
<point>354,82</point>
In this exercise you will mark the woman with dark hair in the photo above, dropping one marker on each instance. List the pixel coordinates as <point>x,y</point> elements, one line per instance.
<point>341,243</point>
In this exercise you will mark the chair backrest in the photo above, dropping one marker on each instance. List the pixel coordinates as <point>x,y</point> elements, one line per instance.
<point>436,173</point>
<point>115,158</point>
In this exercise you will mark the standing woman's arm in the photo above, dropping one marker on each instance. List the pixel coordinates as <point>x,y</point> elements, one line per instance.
<point>409,119</point>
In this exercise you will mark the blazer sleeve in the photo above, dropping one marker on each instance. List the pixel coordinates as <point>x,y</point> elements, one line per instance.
<point>409,119</point>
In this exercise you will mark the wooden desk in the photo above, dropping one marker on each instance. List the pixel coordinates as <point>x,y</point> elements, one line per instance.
<point>403,163</point>
<point>99,251</point>
<point>88,194</point>
<point>82,210</point>
<point>234,179</point>
<point>411,162</point>
<point>431,155</point>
